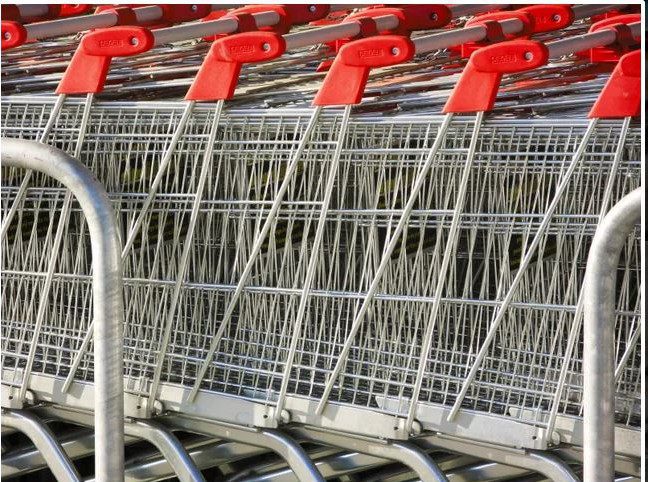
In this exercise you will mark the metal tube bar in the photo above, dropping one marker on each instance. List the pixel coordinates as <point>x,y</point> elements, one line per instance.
<point>587,41</point>
<point>403,452</point>
<point>33,10</point>
<point>335,32</point>
<point>270,439</point>
<point>471,9</point>
<point>108,310</point>
<point>76,444</point>
<point>598,340</point>
<point>450,38</point>
<point>169,446</point>
<point>587,10</point>
<point>545,463</point>
<point>44,440</point>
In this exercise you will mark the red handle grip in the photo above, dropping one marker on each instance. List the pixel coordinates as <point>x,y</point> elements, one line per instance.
<point>71,9</point>
<point>479,82</point>
<point>219,73</point>
<point>410,17</point>
<point>625,42</point>
<point>89,66</point>
<point>345,82</point>
<point>13,34</point>
<point>621,96</point>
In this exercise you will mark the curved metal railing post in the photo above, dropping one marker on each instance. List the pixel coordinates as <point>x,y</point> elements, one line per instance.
<point>108,308</point>
<point>598,336</point>
<point>44,441</point>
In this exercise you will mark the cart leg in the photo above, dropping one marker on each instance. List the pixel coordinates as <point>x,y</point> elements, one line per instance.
<point>45,442</point>
<point>168,445</point>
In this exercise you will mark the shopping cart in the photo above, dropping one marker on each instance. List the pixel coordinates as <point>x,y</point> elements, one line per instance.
<point>422,265</point>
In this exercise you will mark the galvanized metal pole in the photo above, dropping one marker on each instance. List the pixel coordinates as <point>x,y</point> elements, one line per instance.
<point>108,309</point>
<point>598,342</point>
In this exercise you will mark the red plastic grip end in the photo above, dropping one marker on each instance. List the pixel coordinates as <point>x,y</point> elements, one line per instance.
<point>302,14</point>
<point>219,73</point>
<point>611,53</point>
<point>71,9</point>
<point>184,12</point>
<point>490,20</point>
<point>410,17</point>
<point>13,34</point>
<point>478,85</point>
<point>621,96</point>
<point>346,80</point>
<point>547,18</point>
<point>10,12</point>
<point>90,63</point>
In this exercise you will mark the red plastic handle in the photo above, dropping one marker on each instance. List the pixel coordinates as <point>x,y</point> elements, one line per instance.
<point>494,32</point>
<point>13,34</point>
<point>346,80</point>
<point>220,71</point>
<point>479,82</point>
<point>613,53</point>
<point>547,18</point>
<point>171,14</point>
<point>289,15</point>
<point>410,17</point>
<point>89,66</point>
<point>180,12</point>
<point>621,96</point>
<point>10,13</point>
<point>71,9</point>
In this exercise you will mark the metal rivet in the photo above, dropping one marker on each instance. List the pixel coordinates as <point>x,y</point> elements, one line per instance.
<point>312,8</point>
<point>556,18</point>
<point>194,8</point>
<point>395,50</point>
<point>134,41</point>
<point>434,16</point>
<point>266,46</point>
<point>528,55</point>
<point>7,36</point>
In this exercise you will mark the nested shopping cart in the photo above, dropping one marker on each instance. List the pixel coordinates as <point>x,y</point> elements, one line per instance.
<point>382,276</point>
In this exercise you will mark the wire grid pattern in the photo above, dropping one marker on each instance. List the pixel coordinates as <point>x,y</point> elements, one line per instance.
<point>516,168</point>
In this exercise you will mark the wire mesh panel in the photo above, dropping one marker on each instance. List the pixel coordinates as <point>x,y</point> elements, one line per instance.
<point>513,176</point>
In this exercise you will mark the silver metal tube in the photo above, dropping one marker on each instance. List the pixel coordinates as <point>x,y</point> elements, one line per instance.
<point>148,14</point>
<point>65,26</point>
<point>450,38</point>
<point>545,463</point>
<point>463,10</point>
<point>598,336</point>
<point>169,446</point>
<point>108,309</point>
<point>587,10</point>
<point>273,440</point>
<point>335,32</point>
<point>587,41</point>
<point>204,29</point>
<point>403,452</point>
<point>73,25</point>
<point>33,10</point>
<point>44,440</point>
